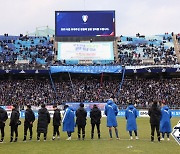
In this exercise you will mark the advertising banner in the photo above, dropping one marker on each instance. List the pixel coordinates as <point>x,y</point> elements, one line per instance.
<point>85,51</point>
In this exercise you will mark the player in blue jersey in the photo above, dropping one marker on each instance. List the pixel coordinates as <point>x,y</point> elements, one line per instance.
<point>165,122</point>
<point>131,115</point>
<point>68,121</point>
<point>111,111</point>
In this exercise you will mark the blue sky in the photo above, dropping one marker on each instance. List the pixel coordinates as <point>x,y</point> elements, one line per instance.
<point>147,17</point>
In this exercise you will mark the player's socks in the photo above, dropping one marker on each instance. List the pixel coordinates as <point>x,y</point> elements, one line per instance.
<point>116,131</point>
<point>110,133</point>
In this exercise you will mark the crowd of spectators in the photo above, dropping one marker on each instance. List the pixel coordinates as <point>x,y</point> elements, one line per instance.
<point>159,49</point>
<point>24,51</point>
<point>28,91</point>
<point>178,37</point>
<point>90,89</point>
<point>39,52</point>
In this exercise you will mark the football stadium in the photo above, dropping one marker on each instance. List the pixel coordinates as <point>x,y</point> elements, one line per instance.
<point>82,88</point>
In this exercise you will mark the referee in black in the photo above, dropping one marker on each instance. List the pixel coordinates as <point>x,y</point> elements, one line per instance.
<point>155,114</point>
<point>28,122</point>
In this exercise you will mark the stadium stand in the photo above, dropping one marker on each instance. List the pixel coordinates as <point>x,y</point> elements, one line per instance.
<point>139,50</point>
<point>31,52</point>
<point>178,37</point>
<point>19,51</point>
<point>25,51</point>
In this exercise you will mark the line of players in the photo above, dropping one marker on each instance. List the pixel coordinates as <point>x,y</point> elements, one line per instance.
<point>158,119</point>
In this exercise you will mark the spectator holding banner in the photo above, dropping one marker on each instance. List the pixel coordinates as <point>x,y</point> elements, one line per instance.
<point>28,122</point>
<point>165,123</point>
<point>68,121</point>
<point>3,118</point>
<point>111,111</point>
<point>155,114</point>
<point>131,115</point>
<point>14,122</point>
<point>43,121</point>
<point>95,115</point>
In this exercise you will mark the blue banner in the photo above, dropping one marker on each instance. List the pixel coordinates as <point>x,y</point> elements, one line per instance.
<point>121,113</point>
<point>175,113</point>
<point>87,106</point>
<point>86,69</point>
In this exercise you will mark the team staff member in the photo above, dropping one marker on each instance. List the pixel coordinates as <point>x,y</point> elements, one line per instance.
<point>131,115</point>
<point>28,122</point>
<point>43,121</point>
<point>111,111</point>
<point>14,122</point>
<point>165,123</point>
<point>56,122</point>
<point>81,115</point>
<point>3,118</point>
<point>95,115</point>
<point>155,114</point>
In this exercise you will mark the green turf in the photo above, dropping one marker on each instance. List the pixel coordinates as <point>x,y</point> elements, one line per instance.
<point>102,146</point>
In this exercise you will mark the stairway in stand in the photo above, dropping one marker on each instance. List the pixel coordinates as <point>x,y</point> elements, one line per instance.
<point>176,47</point>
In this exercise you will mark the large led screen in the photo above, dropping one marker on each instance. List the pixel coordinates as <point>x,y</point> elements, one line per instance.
<point>84,23</point>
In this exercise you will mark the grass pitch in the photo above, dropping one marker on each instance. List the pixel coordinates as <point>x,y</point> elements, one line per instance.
<point>88,146</point>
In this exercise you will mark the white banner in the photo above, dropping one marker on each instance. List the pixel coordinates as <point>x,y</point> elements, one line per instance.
<point>85,51</point>
<point>143,113</point>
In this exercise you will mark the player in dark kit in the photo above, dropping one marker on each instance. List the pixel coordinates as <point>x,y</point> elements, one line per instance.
<point>81,115</point>
<point>95,116</point>
<point>43,122</point>
<point>28,122</point>
<point>155,114</point>
<point>14,122</point>
<point>3,118</point>
<point>56,122</point>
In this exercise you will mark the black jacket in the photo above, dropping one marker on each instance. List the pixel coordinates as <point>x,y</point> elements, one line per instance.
<point>14,117</point>
<point>29,117</point>
<point>95,116</point>
<point>81,115</point>
<point>57,118</point>
<point>3,117</point>
<point>43,120</point>
<point>155,114</point>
